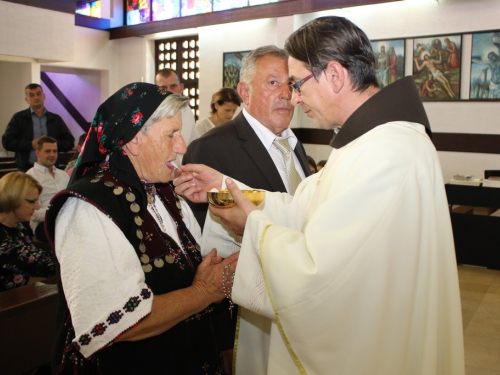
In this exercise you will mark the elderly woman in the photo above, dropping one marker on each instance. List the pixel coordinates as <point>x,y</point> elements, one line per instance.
<point>20,259</point>
<point>223,106</point>
<point>137,294</point>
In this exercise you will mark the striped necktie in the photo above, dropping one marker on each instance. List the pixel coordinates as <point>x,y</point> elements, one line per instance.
<point>292,175</point>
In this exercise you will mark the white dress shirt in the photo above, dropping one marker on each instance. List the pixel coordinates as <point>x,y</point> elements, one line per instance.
<point>215,233</point>
<point>51,186</point>
<point>267,138</point>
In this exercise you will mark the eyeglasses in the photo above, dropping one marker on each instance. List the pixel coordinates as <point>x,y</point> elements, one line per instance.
<point>31,201</point>
<point>296,85</point>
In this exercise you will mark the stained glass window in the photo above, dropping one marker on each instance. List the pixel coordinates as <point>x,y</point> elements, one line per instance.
<point>138,11</point>
<point>229,4</point>
<point>192,7</point>
<point>260,2</point>
<point>90,8</point>
<point>165,9</point>
<point>141,11</point>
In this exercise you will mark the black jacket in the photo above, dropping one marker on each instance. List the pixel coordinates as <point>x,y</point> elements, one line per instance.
<point>235,150</point>
<point>19,135</point>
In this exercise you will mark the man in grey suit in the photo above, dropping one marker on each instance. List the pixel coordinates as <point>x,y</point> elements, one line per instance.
<point>245,149</point>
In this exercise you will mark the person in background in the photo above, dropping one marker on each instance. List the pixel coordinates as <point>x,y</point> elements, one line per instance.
<point>259,148</point>
<point>28,125</point>
<point>312,164</point>
<point>171,80</point>
<point>20,259</point>
<point>223,106</point>
<point>52,179</point>
<point>137,296</point>
<point>71,163</point>
<point>321,164</point>
<point>357,271</point>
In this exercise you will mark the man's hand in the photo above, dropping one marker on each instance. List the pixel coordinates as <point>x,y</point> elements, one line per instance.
<point>34,141</point>
<point>235,218</point>
<point>195,181</point>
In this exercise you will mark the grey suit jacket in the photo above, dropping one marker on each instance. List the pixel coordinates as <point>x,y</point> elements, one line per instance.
<point>235,150</point>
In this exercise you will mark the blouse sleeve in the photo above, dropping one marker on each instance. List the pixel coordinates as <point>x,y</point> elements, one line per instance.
<point>102,278</point>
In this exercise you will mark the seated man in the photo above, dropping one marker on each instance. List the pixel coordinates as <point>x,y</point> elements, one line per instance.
<point>52,179</point>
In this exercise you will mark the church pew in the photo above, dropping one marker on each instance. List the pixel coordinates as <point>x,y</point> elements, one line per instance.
<point>27,324</point>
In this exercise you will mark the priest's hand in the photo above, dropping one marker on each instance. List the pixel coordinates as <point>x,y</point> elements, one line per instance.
<point>195,181</point>
<point>235,218</point>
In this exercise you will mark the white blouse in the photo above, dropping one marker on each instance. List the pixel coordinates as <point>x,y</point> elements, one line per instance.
<point>102,277</point>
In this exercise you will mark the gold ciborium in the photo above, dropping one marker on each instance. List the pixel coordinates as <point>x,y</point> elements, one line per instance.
<point>224,199</point>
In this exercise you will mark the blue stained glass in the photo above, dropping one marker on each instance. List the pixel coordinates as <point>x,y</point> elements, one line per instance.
<point>92,9</point>
<point>83,9</point>
<point>192,7</point>
<point>260,2</point>
<point>229,4</point>
<point>138,11</point>
<point>165,9</point>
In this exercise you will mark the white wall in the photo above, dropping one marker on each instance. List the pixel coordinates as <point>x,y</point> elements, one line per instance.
<point>42,34</point>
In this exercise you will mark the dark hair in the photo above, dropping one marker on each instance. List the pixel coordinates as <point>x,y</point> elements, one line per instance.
<point>167,72</point>
<point>321,163</point>
<point>44,139</point>
<point>81,140</point>
<point>311,161</point>
<point>32,86</point>
<point>332,38</point>
<point>224,95</point>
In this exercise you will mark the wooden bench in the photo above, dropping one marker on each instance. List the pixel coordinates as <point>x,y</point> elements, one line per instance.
<point>7,165</point>
<point>27,326</point>
<point>64,158</point>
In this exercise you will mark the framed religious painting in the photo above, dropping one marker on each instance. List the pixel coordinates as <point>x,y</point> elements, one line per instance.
<point>485,66</point>
<point>390,58</point>
<point>231,68</point>
<point>437,67</point>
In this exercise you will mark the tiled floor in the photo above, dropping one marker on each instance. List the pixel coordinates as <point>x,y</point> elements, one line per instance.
<point>480,294</point>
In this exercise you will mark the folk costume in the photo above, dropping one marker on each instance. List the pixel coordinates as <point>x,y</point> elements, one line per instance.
<point>357,271</point>
<point>119,242</point>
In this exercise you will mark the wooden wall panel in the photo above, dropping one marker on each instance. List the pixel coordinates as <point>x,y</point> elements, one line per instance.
<point>457,142</point>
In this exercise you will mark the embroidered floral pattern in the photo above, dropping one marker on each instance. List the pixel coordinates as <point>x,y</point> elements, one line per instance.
<point>20,258</point>
<point>129,91</point>
<point>99,127</point>
<point>145,294</point>
<point>85,339</point>
<point>115,317</point>
<point>99,329</point>
<point>132,304</point>
<point>137,117</point>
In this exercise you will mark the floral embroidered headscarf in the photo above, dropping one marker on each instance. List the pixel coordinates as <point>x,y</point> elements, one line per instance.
<point>116,123</point>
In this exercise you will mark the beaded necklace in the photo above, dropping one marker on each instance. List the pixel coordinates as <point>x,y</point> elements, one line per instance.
<point>151,194</point>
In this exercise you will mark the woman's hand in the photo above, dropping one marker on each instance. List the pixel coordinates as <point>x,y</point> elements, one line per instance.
<point>214,278</point>
<point>195,181</point>
<point>235,218</point>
